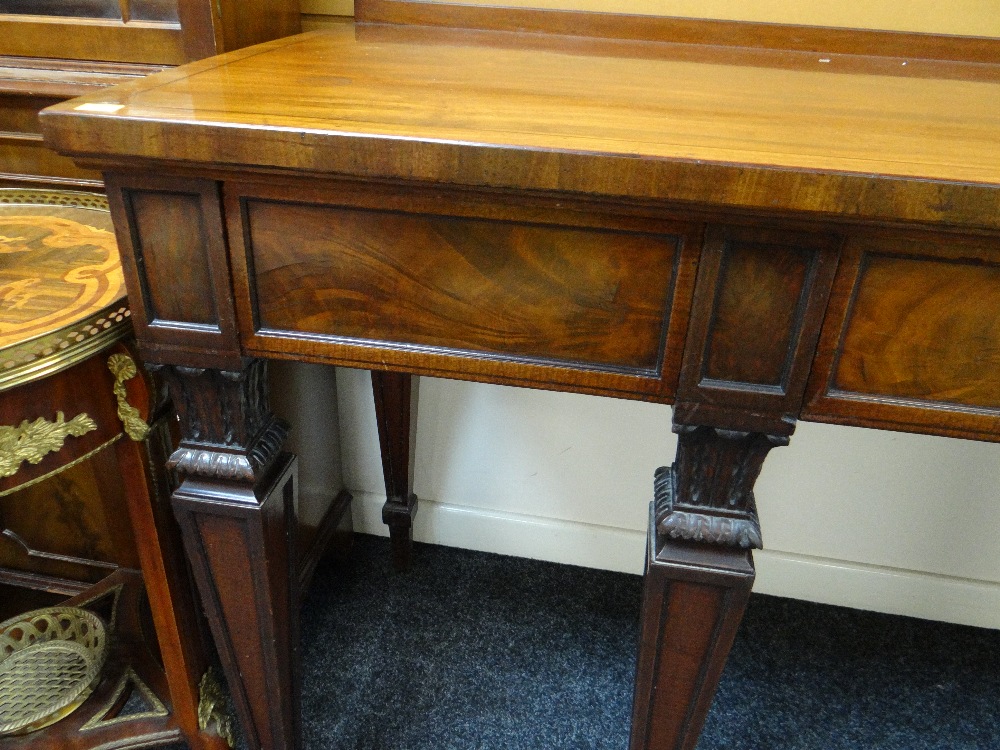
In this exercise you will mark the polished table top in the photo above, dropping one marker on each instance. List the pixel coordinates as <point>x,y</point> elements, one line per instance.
<point>852,137</point>
<point>831,146</point>
<point>756,237</point>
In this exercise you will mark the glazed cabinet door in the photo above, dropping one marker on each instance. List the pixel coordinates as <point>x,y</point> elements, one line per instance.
<point>158,32</point>
<point>127,31</point>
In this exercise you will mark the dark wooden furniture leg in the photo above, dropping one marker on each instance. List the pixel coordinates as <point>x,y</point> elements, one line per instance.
<point>168,583</point>
<point>699,571</point>
<point>236,508</point>
<point>396,411</point>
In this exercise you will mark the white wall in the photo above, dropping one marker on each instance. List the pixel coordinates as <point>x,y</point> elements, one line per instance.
<point>962,17</point>
<point>885,521</point>
<point>306,397</point>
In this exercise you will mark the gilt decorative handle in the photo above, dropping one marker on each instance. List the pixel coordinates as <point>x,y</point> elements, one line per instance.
<point>123,368</point>
<point>33,441</point>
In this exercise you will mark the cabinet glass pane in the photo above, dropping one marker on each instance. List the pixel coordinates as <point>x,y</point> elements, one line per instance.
<point>154,10</point>
<point>65,8</point>
<point>139,10</point>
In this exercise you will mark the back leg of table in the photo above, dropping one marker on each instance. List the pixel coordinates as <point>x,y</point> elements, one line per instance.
<point>395,396</point>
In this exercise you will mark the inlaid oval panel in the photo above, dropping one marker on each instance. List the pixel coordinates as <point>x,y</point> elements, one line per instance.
<point>58,264</point>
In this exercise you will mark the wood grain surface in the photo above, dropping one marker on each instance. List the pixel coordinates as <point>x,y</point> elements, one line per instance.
<point>759,301</point>
<point>170,240</point>
<point>568,114</point>
<point>484,205</point>
<point>756,312</point>
<point>98,39</point>
<point>173,252</point>
<point>695,32</point>
<point>461,283</point>
<point>912,336</point>
<point>72,526</point>
<point>582,295</point>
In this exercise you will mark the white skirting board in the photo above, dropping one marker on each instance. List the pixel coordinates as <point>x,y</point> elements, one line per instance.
<point>881,589</point>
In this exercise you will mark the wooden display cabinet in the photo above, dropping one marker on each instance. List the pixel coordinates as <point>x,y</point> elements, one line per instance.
<point>51,50</point>
<point>89,528</point>
<point>84,496</point>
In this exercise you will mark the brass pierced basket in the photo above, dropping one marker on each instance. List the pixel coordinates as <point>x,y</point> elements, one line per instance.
<point>50,662</point>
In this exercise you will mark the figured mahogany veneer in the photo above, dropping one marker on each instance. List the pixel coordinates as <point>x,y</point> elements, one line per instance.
<point>589,297</point>
<point>561,295</point>
<point>913,335</point>
<point>755,323</point>
<point>933,353</point>
<point>754,237</point>
<point>175,227</point>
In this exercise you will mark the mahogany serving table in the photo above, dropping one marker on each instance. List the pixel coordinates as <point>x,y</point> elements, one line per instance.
<point>756,238</point>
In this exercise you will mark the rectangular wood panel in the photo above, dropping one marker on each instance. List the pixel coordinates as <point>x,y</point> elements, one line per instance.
<point>172,256</point>
<point>19,112</point>
<point>90,39</point>
<point>758,304</point>
<point>173,249</point>
<point>535,292</point>
<point>72,525</point>
<point>913,334</point>
<point>25,156</point>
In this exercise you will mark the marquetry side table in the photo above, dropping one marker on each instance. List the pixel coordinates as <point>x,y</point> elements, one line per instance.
<point>84,506</point>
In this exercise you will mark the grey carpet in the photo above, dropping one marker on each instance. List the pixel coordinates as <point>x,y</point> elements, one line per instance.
<point>477,651</point>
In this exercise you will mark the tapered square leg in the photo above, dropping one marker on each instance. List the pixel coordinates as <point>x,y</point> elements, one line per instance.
<point>694,596</point>
<point>236,507</point>
<point>699,571</point>
<point>242,552</point>
<point>395,396</point>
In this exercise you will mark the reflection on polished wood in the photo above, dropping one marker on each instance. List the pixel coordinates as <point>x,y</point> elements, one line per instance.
<point>754,237</point>
<point>53,50</point>
<point>422,104</point>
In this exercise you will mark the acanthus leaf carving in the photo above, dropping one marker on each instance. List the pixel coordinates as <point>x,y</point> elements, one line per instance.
<point>228,431</point>
<point>242,466</point>
<point>707,494</point>
<point>708,527</point>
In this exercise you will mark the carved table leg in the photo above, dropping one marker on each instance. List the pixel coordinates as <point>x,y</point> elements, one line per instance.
<point>236,508</point>
<point>396,411</point>
<point>699,571</point>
